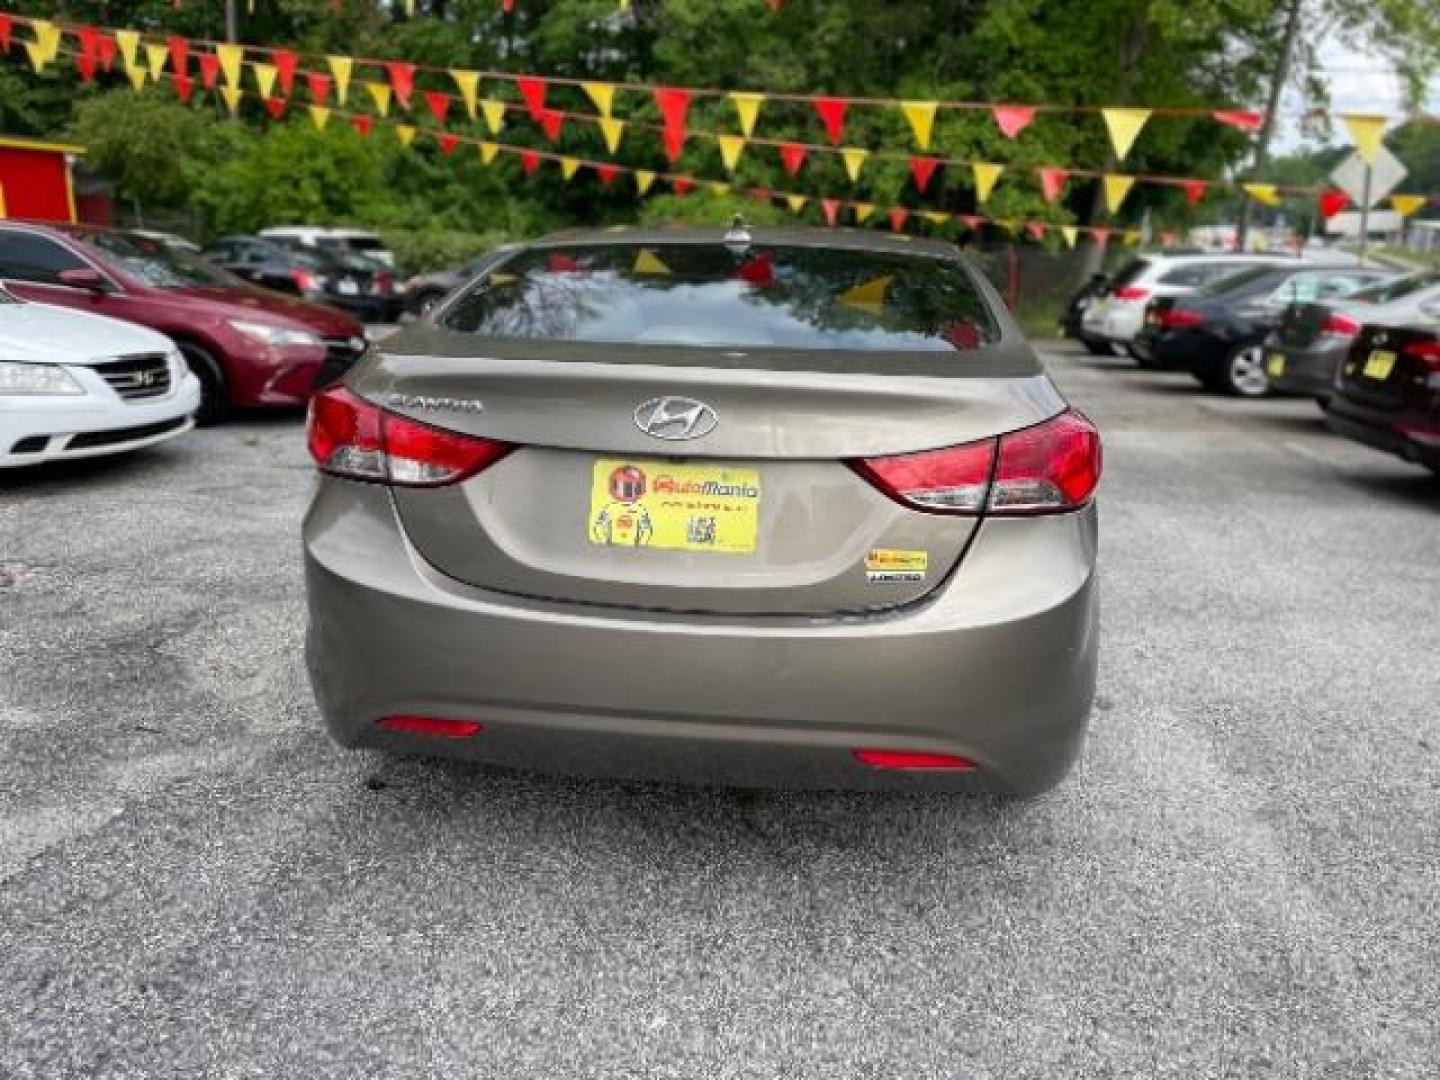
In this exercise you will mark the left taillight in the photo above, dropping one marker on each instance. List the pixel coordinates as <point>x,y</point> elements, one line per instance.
<point>354,438</point>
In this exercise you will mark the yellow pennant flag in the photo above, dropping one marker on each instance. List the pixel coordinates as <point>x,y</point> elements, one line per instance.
<point>231,96</point>
<point>1130,236</point>
<point>602,94</point>
<point>409,8</point>
<point>1070,234</point>
<point>47,40</point>
<point>1405,205</point>
<point>494,112</point>
<point>264,79</point>
<point>868,296</point>
<point>36,51</point>
<point>864,211</point>
<point>854,159</point>
<point>340,68</point>
<point>731,147</point>
<point>231,57</point>
<point>1366,131</point>
<point>137,76</point>
<point>380,95</point>
<point>719,189</point>
<point>319,116</point>
<point>1264,193</point>
<point>1124,126</point>
<point>644,178</point>
<point>468,83</point>
<point>569,166</point>
<point>935,217</point>
<point>613,130</point>
<point>985,176</point>
<point>921,115</point>
<point>405,133</point>
<point>128,42</point>
<point>796,203</point>
<point>1116,188</point>
<point>155,57</point>
<point>647,262</point>
<point>488,151</point>
<point>747,107</point>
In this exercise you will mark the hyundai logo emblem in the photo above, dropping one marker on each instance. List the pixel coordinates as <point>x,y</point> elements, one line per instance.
<point>675,418</point>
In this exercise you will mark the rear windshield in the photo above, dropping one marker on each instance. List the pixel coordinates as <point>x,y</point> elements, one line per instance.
<point>1397,289</point>
<point>706,295</point>
<point>1130,273</point>
<point>1238,280</point>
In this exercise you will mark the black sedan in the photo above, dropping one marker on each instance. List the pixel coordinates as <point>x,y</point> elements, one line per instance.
<point>1218,333</point>
<point>424,291</point>
<point>353,283</point>
<point>1388,392</point>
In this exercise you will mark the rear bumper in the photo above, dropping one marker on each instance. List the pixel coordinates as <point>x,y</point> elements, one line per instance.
<point>1308,372</point>
<point>997,666</point>
<point>1418,442</point>
<point>1185,350</point>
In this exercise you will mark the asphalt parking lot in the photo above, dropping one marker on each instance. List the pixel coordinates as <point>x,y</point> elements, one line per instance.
<point>1242,878</point>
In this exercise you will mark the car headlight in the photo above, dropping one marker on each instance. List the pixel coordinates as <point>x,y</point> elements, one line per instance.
<point>36,379</point>
<point>275,335</point>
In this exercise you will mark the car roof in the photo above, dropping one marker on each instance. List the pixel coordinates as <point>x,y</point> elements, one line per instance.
<point>840,239</point>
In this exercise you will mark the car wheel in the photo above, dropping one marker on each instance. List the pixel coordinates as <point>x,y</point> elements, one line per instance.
<point>425,303</point>
<point>1243,373</point>
<point>214,402</point>
<point>1096,347</point>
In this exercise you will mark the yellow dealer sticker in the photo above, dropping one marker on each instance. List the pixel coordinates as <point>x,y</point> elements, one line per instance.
<point>1379,364</point>
<point>886,564</point>
<point>654,504</point>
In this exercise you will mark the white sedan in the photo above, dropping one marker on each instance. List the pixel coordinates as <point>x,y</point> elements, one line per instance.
<point>75,385</point>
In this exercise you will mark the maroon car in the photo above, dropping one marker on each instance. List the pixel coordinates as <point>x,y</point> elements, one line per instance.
<point>248,346</point>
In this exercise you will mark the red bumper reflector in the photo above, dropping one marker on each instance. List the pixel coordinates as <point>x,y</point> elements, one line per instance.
<point>913,760</point>
<point>431,725</point>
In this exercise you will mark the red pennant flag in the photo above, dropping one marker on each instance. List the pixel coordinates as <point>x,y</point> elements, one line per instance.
<point>832,210</point>
<point>607,174</point>
<point>285,64</point>
<point>1195,191</point>
<point>1036,229</point>
<point>529,161</point>
<point>552,121</point>
<point>673,105</point>
<point>89,41</point>
<point>1332,201</point>
<point>362,124</point>
<point>179,53</point>
<point>507,6</point>
<point>1169,237</point>
<point>448,142</point>
<point>759,194</point>
<point>1013,119</point>
<point>1243,119</point>
<point>533,91</point>
<point>184,87</point>
<point>319,86</point>
<point>792,156</point>
<point>832,112</point>
<point>275,106</point>
<point>1052,182</point>
<point>972,221</point>
<point>210,70</point>
<point>561,263</point>
<point>922,169</point>
<point>106,46</point>
<point>758,270</point>
<point>402,78</point>
<point>85,64</point>
<point>1101,236</point>
<point>898,216</point>
<point>6,26</point>
<point>682,185</point>
<point>438,104</point>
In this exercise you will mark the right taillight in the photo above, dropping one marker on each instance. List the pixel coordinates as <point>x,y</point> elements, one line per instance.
<point>1132,292</point>
<point>1046,469</point>
<point>1177,317</point>
<point>1427,351</point>
<point>354,438</point>
<point>1339,326</point>
<point>304,280</point>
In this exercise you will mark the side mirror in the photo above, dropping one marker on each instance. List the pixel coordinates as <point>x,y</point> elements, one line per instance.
<point>83,277</point>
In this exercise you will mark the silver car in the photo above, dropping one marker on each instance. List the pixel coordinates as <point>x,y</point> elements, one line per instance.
<point>795,508</point>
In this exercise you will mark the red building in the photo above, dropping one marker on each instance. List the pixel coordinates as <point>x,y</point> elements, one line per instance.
<point>36,180</point>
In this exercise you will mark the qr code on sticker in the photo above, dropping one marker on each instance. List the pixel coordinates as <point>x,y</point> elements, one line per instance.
<point>700,530</point>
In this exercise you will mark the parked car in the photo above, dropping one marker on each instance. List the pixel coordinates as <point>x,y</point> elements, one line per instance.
<point>355,241</point>
<point>352,283</point>
<point>1388,392</point>
<point>74,385</point>
<point>1304,354</point>
<point>247,346</point>
<point>424,291</point>
<point>1072,321</point>
<point>170,238</point>
<point>799,508</point>
<point>1218,334</point>
<point>1113,320</point>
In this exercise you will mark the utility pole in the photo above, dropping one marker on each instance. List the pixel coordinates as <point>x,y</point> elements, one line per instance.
<point>1267,126</point>
<point>232,21</point>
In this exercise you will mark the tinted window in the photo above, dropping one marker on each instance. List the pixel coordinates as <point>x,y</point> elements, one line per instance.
<point>364,243</point>
<point>702,294</point>
<point>1398,289</point>
<point>1130,273</point>
<point>156,263</point>
<point>26,257</point>
<point>1239,280</point>
<point>1195,274</point>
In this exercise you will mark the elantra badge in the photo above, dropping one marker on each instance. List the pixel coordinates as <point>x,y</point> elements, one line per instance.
<point>675,418</point>
<point>436,404</point>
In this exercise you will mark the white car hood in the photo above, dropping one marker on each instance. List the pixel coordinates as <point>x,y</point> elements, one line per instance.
<point>41,332</point>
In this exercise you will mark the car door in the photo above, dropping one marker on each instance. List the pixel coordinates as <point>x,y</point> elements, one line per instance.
<point>30,267</point>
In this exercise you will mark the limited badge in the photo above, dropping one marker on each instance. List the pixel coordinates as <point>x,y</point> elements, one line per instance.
<point>887,565</point>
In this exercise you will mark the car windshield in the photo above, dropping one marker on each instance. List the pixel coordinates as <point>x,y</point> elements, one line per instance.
<point>157,263</point>
<point>1388,291</point>
<point>706,295</point>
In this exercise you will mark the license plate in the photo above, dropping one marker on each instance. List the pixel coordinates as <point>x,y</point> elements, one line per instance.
<point>641,502</point>
<point>347,288</point>
<point>1275,365</point>
<point>1379,364</point>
